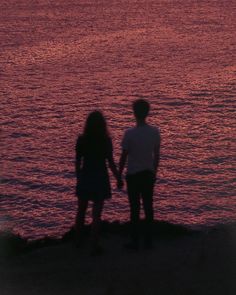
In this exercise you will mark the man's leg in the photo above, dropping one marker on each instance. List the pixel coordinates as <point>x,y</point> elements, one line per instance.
<point>134,202</point>
<point>147,197</point>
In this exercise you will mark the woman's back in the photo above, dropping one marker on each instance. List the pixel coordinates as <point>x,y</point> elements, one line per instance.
<point>93,148</point>
<point>93,151</point>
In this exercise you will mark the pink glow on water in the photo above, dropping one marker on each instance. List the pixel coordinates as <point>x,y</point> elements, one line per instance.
<point>60,61</point>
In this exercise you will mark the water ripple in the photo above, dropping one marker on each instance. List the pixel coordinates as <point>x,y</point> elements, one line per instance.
<point>76,57</point>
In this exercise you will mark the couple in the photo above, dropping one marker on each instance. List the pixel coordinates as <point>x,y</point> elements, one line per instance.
<point>141,147</point>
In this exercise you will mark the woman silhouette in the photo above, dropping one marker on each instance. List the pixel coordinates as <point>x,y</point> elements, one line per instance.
<point>93,151</point>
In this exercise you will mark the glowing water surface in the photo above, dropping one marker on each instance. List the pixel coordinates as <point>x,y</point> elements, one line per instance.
<point>61,59</point>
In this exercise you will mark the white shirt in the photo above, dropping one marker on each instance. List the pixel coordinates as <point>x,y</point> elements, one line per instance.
<point>140,143</point>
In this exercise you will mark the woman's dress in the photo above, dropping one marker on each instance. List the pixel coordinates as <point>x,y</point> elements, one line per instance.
<point>93,179</point>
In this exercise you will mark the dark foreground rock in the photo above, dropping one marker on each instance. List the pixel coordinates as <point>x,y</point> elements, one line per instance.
<point>182,262</point>
<point>11,245</point>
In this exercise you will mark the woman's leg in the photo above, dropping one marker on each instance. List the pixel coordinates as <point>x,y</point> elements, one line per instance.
<point>97,210</point>
<point>80,216</point>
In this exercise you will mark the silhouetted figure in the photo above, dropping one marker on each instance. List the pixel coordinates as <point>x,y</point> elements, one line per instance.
<point>141,146</point>
<point>93,151</point>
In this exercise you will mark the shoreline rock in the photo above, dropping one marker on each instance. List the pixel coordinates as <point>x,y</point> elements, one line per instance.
<point>182,262</point>
<point>11,245</point>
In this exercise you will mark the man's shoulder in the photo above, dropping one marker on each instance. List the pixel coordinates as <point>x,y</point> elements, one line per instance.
<point>155,129</point>
<point>133,130</point>
<point>154,132</point>
<point>129,131</point>
<point>151,129</point>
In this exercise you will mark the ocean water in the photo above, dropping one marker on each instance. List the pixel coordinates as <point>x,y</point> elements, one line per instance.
<point>61,59</point>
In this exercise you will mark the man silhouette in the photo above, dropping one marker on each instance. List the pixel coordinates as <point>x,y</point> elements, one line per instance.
<point>141,146</point>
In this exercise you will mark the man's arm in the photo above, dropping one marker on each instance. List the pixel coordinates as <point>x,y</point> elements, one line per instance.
<point>156,158</point>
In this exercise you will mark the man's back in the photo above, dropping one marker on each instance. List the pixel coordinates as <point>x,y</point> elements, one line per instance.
<point>140,143</point>
<point>141,146</point>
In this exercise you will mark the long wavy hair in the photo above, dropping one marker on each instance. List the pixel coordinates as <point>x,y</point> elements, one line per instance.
<point>95,132</point>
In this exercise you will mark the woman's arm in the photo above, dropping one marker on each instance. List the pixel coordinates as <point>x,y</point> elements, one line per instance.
<point>156,158</point>
<point>123,159</point>
<point>78,158</point>
<point>112,164</point>
<point>113,168</point>
<point>77,164</point>
<point>115,172</point>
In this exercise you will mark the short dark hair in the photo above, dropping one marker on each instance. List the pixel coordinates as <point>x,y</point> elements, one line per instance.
<point>141,108</point>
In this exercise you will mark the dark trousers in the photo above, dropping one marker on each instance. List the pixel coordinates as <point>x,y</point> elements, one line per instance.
<point>140,187</point>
